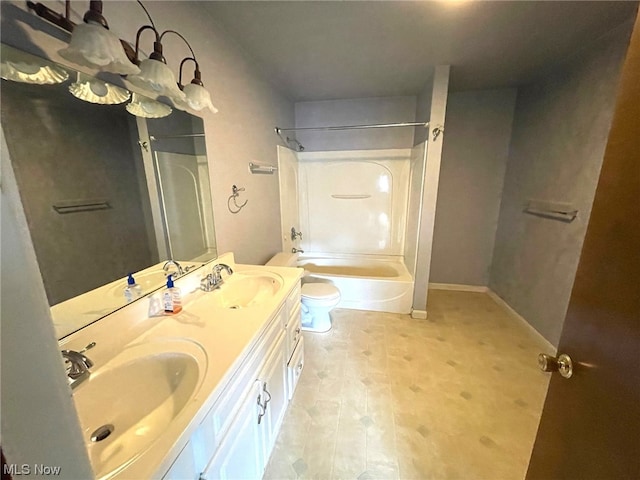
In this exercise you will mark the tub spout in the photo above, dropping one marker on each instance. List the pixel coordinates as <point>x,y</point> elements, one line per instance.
<point>297,250</point>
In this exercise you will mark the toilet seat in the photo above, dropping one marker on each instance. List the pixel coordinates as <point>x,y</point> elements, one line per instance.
<point>320,292</point>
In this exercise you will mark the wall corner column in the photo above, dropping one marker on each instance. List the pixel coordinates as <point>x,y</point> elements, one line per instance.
<point>430,191</point>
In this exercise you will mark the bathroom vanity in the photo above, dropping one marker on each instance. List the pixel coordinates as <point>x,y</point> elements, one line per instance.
<point>196,395</point>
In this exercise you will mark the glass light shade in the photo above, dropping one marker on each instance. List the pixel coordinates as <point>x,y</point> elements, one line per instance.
<point>141,106</point>
<point>32,73</point>
<point>157,78</point>
<point>198,97</point>
<point>94,46</point>
<point>93,90</point>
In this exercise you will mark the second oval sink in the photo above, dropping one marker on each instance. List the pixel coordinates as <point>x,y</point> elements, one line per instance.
<point>245,289</point>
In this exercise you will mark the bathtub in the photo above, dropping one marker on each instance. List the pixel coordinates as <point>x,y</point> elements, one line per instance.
<point>366,282</point>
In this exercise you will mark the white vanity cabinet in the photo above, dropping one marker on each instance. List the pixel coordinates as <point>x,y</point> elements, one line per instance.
<point>238,433</point>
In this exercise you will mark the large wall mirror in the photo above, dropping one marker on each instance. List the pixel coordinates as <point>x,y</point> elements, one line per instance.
<point>106,193</point>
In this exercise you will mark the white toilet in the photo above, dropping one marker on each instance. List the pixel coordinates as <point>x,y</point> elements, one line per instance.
<point>318,298</point>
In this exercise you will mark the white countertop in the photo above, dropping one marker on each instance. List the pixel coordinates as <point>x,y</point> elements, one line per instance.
<point>226,335</point>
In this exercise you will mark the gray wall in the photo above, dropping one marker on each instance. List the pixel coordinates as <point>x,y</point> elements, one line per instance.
<point>474,160</point>
<point>66,149</point>
<point>560,131</point>
<point>359,111</point>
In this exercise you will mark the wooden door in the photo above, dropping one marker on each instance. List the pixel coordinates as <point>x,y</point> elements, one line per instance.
<point>590,427</point>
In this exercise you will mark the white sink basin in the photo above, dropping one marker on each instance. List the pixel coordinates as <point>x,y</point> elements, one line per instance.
<point>247,289</point>
<point>134,398</point>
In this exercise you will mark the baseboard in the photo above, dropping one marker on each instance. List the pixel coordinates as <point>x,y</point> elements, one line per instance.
<point>420,314</point>
<point>522,320</point>
<point>496,298</point>
<point>458,287</point>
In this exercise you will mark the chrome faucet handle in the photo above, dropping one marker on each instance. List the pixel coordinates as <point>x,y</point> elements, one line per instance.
<point>217,272</point>
<point>76,363</point>
<point>217,269</point>
<point>297,250</point>
<point>208,284</point>
<point>214,279</point>
<point>77,366</point>
<point>168,263</point>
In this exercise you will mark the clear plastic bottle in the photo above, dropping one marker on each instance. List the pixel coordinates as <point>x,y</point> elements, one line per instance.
<point>171,298</point>
<point>132,290</point>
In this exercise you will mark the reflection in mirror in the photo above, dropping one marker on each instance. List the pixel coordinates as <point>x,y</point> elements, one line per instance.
<point>105,193</point>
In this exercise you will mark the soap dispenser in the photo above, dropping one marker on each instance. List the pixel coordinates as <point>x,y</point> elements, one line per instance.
<point>132,290</point>
<point>171,298</point>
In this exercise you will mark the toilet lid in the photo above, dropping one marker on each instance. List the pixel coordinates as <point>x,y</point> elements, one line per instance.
<point>320,290</point>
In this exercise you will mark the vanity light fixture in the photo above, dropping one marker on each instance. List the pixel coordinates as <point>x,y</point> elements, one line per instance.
<point>155,76</point>
<point>197,97</point>
<point>144,107</point>
<point>92,43</point>
<point>93,90</point>
<point>32,73</point>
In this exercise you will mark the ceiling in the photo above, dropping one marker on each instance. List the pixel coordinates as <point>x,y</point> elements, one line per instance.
<point>319,50</point>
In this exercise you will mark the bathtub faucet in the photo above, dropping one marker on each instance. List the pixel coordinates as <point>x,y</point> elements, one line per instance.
<point>295,234</point>
<point>297,250</point>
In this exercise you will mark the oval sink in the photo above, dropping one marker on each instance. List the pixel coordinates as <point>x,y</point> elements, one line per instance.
<point>243,290</point>
<point>128,403</point>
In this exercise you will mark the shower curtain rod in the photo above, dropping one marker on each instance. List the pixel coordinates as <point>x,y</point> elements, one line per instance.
<point>354,127</point>
<point>186,135</point>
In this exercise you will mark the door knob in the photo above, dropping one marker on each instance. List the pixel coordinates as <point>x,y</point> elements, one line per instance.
<point>561,364</point>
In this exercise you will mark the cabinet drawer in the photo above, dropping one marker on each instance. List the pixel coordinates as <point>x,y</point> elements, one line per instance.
<point>295,366</point>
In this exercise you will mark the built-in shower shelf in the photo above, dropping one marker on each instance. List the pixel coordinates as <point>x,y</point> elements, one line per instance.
<point>85,205</point>
<point>351,197</point>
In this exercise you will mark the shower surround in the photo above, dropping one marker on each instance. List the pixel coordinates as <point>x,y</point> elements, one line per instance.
<point>352,209</point>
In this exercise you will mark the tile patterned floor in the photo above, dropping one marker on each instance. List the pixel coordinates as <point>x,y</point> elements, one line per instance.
<point>384,396</point>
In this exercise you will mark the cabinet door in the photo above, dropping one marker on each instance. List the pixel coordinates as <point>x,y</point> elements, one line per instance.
<point>240,453</point>
<point>295,366</point>
<point>273,381</point>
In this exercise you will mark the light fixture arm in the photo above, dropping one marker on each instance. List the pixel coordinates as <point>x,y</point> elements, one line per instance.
<point>157,46</point>
<point>148,16</point>
<point>197,76</point>
<point>56,18</point>
<point>94,14</point>
<point>182,37</point>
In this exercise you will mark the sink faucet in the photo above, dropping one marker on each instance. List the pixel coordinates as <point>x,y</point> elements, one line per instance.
<point>169,263</point>
<point>214,279</point>
<point>77,365</point>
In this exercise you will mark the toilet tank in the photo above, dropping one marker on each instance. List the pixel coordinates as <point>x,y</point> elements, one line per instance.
<point>284,259</point>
